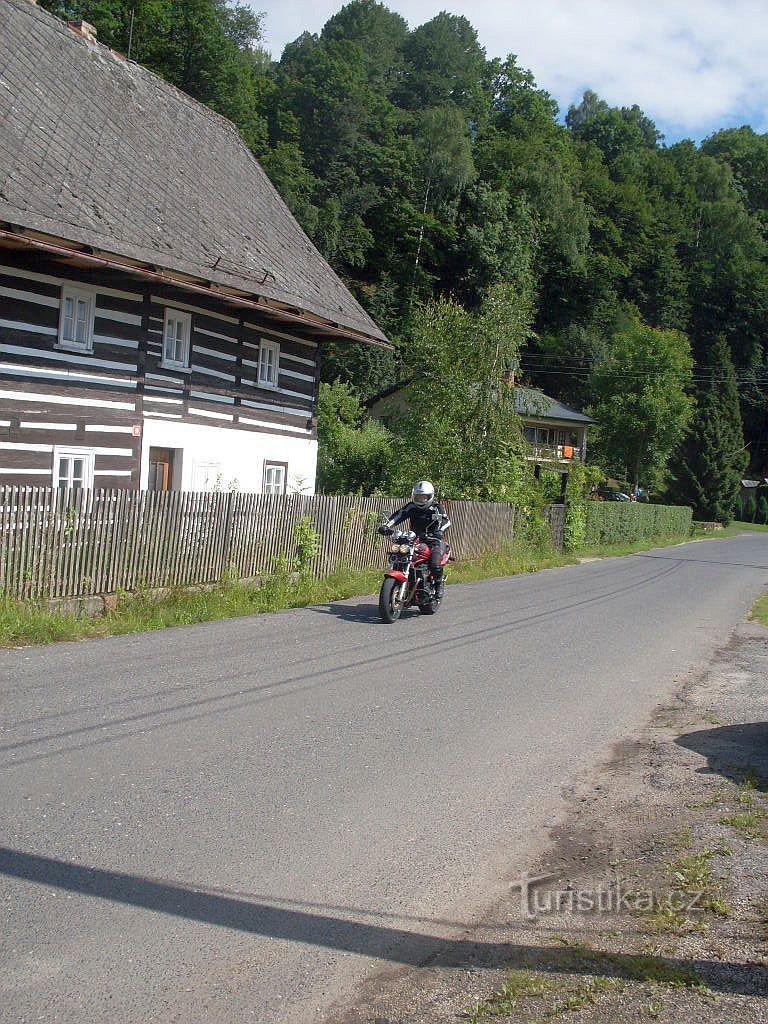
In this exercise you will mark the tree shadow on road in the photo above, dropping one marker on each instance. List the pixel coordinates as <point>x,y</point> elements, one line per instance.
<point>734,751</point>
<point>382,942</point>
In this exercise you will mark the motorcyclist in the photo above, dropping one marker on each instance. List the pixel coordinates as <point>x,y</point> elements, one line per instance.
<point>429,521</point>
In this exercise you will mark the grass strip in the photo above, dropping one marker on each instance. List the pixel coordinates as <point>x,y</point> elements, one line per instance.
<point>23,623</point>
<point>760,611</point>
<point>733,529</point>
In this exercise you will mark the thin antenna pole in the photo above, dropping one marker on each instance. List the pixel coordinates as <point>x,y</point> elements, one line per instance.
<point>130,33</point>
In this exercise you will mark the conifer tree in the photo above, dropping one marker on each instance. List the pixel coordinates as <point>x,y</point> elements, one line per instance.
<point>713,456</point>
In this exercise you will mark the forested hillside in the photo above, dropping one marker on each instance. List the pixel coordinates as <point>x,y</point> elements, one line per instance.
<point>422,169</point>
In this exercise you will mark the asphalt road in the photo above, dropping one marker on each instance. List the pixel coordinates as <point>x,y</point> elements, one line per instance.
<point>241,820</point>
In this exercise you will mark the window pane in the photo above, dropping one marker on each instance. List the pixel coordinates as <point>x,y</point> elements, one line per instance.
<point>81,332</point>
<point>68,331</point>
<point>78,469</point>
<point>168,344</point>
<point>268,363</point>
<point>274,477</point>
<point>63,472</point>
<point>175,343</point>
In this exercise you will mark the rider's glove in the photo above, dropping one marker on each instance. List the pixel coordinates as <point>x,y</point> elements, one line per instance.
<point>385,531</point>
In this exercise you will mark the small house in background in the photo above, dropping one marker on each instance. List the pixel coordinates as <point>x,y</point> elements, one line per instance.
<point>751,488</point>
<point>556,434</point>
<point>162,314</point>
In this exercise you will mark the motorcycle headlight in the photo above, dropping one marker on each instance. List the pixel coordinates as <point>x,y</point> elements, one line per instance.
<point>403,549</point>
<point>394,548</point>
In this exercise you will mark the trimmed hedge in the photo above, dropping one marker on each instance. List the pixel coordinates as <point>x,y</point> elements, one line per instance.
<point>610,522</point>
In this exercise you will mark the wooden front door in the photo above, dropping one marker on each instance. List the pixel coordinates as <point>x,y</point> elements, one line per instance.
<point>160,469</point>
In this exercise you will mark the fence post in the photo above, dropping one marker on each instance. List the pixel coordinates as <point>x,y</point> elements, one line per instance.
<point>556,517</point>
<point>226,547</point>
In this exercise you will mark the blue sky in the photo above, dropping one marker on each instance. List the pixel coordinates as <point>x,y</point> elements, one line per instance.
<point>694,66</point>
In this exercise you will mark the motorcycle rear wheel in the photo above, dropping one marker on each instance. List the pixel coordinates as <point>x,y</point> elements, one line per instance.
<point>390,605</point>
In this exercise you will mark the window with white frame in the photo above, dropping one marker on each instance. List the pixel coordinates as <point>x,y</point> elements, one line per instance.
<point>269,363</point>
<point>76,319</point>
<point>176,335</point>
<point>274,477</point>
<point>73,468</point>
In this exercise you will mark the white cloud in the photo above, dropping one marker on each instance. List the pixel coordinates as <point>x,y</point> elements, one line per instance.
<point>691,65</point>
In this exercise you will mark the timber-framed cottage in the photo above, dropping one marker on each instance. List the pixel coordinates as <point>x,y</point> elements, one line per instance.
<point>162,314</point>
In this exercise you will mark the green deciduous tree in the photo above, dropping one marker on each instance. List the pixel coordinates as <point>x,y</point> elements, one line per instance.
<point>421,169</point>
<point>444,64</point>
<point>353,456</point>
<point>461,429</point>
<point>641,400</point>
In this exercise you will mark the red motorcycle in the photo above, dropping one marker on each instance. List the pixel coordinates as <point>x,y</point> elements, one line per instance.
<point>409,582</point>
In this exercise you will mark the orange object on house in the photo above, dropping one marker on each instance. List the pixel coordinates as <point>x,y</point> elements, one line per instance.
<point>567,451</point>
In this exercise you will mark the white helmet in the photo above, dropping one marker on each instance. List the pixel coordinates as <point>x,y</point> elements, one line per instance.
<point>423,493</point>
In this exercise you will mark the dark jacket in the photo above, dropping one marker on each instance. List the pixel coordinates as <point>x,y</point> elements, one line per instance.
<point>428,523</point>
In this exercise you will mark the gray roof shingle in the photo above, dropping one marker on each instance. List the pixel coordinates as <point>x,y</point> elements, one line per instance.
<point>535,404</point>
<point>101,152</point>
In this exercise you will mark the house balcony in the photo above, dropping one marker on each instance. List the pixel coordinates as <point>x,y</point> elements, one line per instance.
<point>555,453</point>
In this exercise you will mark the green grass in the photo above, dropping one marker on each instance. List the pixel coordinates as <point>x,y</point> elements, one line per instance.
<point>689,875</point>
<point>25,623</point>
<point>760,611</point>
<point>513,561</point>
<point>749,825</point>
<point>609,971</point>
<point>517,985</point>
<point>611,550</point>
<point>732,530</point>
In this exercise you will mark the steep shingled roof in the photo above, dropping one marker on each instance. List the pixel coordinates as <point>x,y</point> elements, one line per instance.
<point>99,151</point>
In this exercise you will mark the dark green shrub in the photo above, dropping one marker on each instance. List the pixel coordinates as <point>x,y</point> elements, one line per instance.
<point>611,522</point>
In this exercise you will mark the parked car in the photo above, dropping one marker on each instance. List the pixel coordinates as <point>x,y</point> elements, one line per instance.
<point>607,494</point>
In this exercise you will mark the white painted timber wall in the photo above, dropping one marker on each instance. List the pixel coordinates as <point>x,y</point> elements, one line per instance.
<point>227,458</point>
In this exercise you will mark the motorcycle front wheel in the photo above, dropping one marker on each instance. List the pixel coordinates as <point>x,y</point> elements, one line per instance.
<point>390,605</point>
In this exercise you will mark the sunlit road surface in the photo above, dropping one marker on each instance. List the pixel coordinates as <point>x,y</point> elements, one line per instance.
<point>242,820</point>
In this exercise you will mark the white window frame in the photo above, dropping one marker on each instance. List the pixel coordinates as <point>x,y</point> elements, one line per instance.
<point>178,316</point>
<point>67,452</point>
<point>264,381</point>
<point>77,294</point>
<point>268,486</point>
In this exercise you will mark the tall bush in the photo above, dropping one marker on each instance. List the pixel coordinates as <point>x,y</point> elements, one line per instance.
<point>629,522</point>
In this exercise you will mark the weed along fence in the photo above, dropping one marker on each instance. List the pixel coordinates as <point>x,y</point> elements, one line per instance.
<point>59,544</point>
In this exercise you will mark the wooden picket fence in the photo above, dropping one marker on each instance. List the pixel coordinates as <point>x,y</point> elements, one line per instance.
<point>56,543</point>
